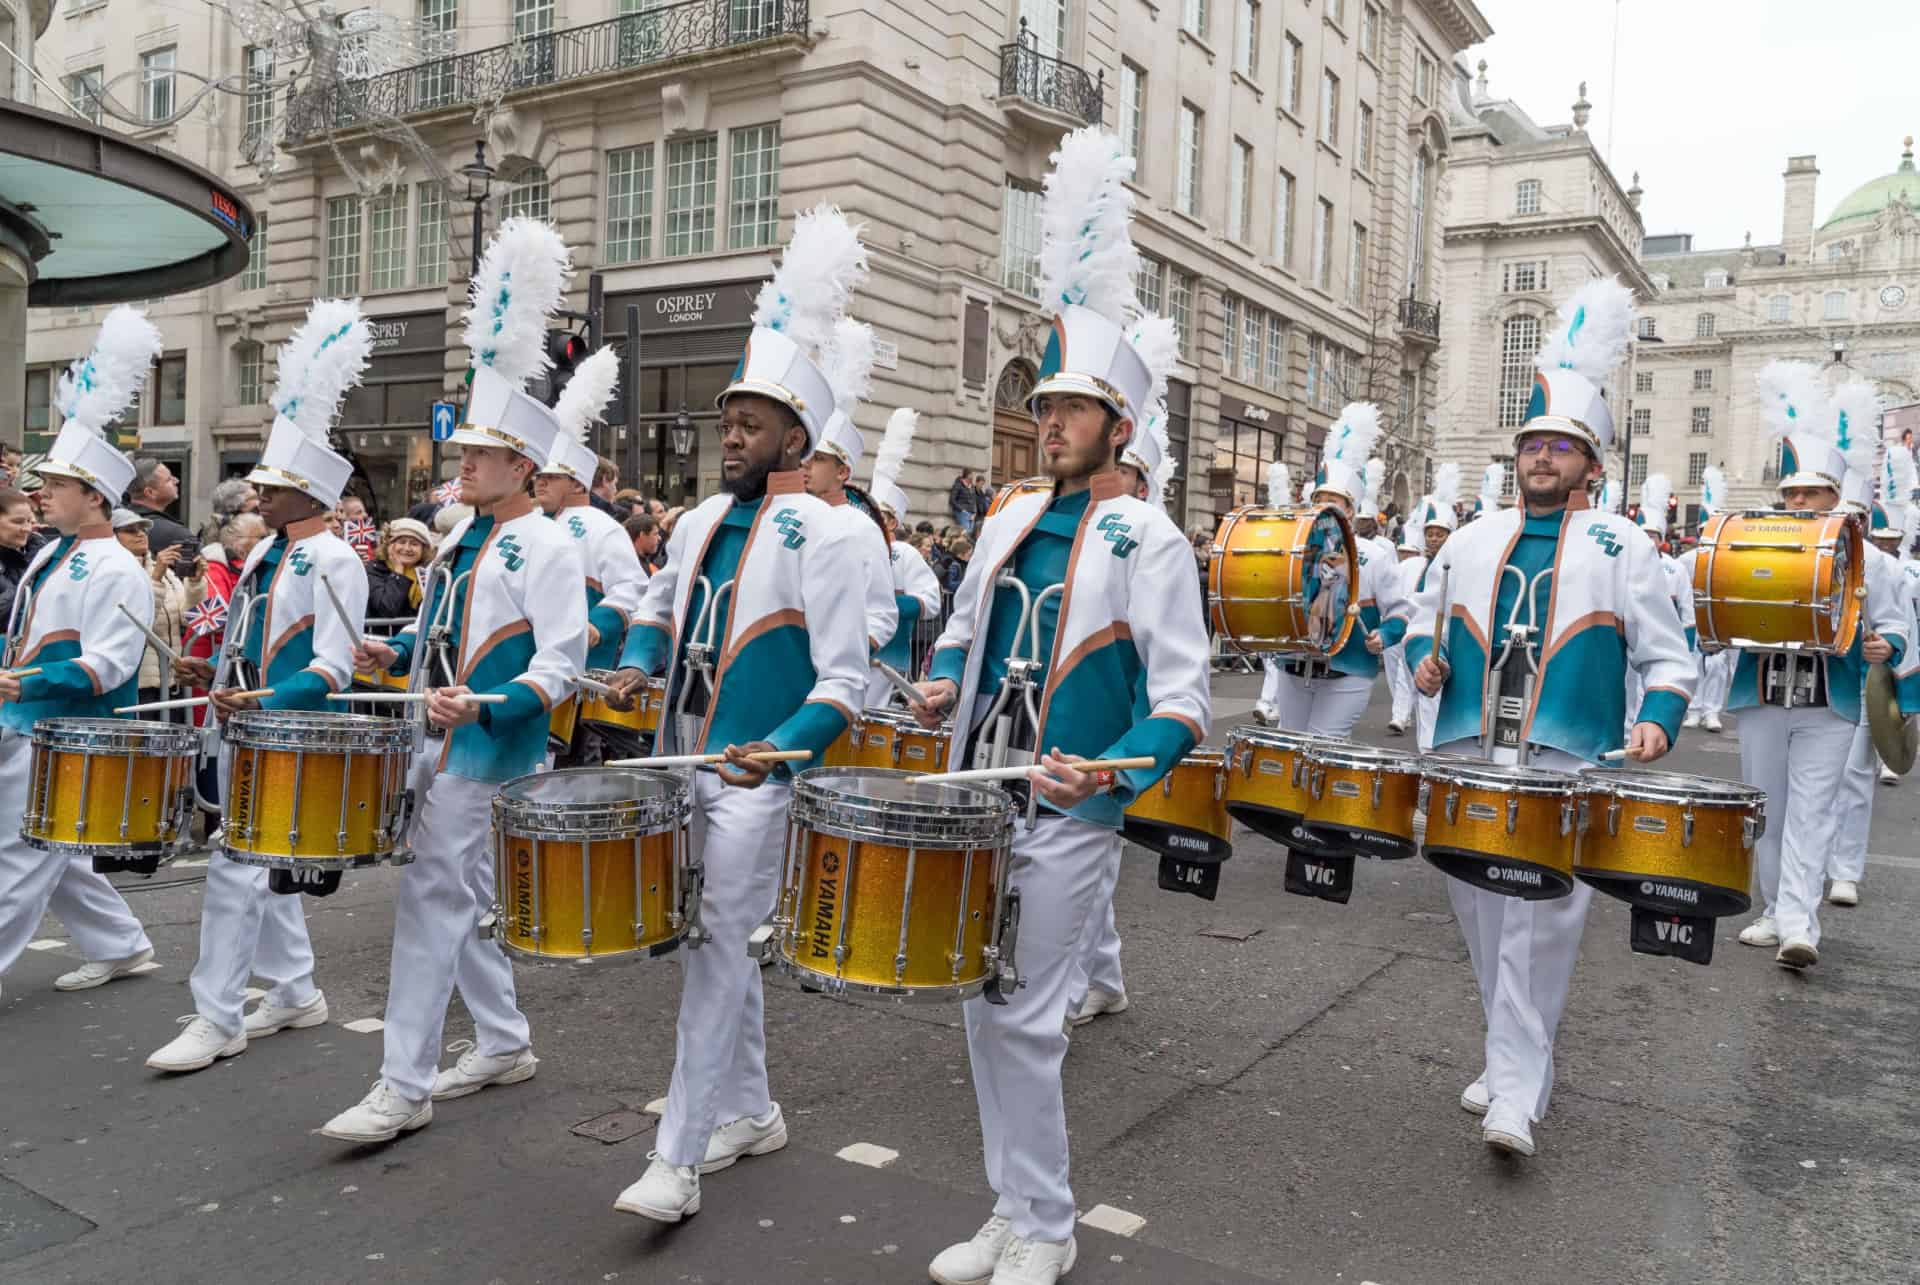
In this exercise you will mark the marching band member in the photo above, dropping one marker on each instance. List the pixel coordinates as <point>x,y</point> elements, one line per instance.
<point>1576,598</point>
<point>1493,480</point>
<point>1799,713</point>
<point>504,617</point>
<point>1366,522</point>
<point>1412,554</point>
<point>66,626</point>
<point>1716,665</point>
<point>764,649</point>
<point>1107,583</point>
<point>298,644</point>
<point>916,590</point>
<point>1439,519</point>
<point>1327,697</point>
<point>1654,494</point>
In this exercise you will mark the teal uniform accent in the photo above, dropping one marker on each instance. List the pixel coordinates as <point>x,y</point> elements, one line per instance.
<point>294,686</point>
<point>1040,561</point>
<point>898,651</point>
<point>610,626</point>
<point>62,688</point>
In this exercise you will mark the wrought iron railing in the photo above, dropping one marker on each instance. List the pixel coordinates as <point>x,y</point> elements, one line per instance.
<point>1420,317</point>
<point>1027,73</point>
<point>630,40</point>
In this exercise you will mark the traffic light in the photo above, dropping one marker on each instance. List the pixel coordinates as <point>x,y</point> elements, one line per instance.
<point>566,350</point>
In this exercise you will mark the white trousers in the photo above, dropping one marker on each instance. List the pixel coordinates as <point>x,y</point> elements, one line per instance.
<point>720,1042</point>
<point>1099,961</point>
<point>33,883</point>
<point>1017,1048</point>
<point>1853,809</point>
<point>1799,757</point>
<point>1319,706</point>
<point>1716,677</point>
<point>245,929</point>
<point>1523,954</point>
<point>1400,683</point>
<point>437,945</point>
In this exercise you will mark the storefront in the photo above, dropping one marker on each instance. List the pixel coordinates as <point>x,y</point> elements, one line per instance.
<point>691,338</point>
<point>1252,434</point>
<point>386,424</point>
<point>1179,434</point>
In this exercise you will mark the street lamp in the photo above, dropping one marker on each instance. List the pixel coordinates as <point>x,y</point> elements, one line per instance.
<point>682,430</point>
<point>479,186</point>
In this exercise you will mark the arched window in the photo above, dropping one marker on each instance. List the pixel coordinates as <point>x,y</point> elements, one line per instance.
<point>530,197</point>
<point>1015,386</point>
<point>1519,341</point>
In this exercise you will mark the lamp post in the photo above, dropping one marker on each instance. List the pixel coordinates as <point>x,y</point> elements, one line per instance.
<point>479,186</point>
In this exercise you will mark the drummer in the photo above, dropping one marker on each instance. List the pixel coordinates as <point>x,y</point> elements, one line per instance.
<point>763,649</point>
<point>1652,518</point>
<point>1412,556</point>
<point>1132,623</point>
<point>1591,591</point>
<point>87,653</point>
<point>916,590</point>
<point>300,646</point>
<point>505,587</point>
<point>1716,663</point>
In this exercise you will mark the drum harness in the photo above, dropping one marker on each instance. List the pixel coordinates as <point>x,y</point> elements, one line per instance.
<point>1792,679</point>
<point>231,668</point>
<point>1010,731</point>
<point>442,590</point>
<point>1516,670</point>
<point>16,634</point>
<point>690,708</point>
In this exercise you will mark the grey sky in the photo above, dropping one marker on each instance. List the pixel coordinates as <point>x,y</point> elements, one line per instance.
<point>1714,95</point>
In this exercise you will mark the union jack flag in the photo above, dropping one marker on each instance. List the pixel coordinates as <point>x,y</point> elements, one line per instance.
<point>210,617</point>
<point>448,492</point>
<point>362,534</point>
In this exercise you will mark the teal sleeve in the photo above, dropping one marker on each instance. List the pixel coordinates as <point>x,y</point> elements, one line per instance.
<point>645,648</point>
<point>1419,647</point>
<point>606,621</point>
<point>403,645</point>
<point>814,726</point>
<point>1165,740</point>
<point>949,663</point>
<point>1693,639</point>
<point>62,680</point>
<point>304,690</point>
<point>523,702</point>
<point>1899,646</point>
<point>1393,631</point>
<point>909,608</point>
<point>1665,708</point>
<point>1908,689</point>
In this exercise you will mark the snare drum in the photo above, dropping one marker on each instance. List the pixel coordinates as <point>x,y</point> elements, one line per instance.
<point>639,723</point>
<point>894,738</point>
<point>1025,486</point>
<point>1510,830</point>
<point>113,789</point>
<point>561,723</point>
<point>379,682</point>
<point>1772,578</point>
<point>896,889</point>
<point>1284,580</point>
<point>317,792</point>
<point>1671,843</point>
<point>1185,814</point>
<point>1267,786</point>
<point>1361,800</point>
<point>593,863</point>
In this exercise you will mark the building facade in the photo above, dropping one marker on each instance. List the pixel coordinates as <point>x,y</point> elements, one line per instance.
<point>1532,212</point>
<point>1293,162</point>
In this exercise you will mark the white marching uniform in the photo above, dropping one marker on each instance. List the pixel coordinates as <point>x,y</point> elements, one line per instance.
<point>244,927</point>
<point>89,657</point>
<point>1680,591</point>
<point>615,578</point>
<point>1854,808</point>
<point>1399,674</point>
<point>864,540</point>
<point>1331,705</point>
<point>916,597</point>
<point>1716,670</point>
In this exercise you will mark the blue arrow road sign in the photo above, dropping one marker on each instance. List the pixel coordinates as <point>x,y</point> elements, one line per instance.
<point>445,416</point>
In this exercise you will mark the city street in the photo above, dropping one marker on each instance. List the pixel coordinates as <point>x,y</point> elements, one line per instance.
<point>1279,1104</point>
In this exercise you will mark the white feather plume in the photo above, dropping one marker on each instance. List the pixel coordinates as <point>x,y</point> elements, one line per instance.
<point>1898,475</point>
<point>1654,494</point>
<point>1307,489</point>
<point>1164,473</point>
<point>1086,254</point>
<point>894,445</point>
<point>1793,399</point>
<point>1596,325</point>
<point>1610,497</point>
<point>820,268</point>
<point>1909,530</point>
<point>847,362</point>
<point>1157,340</point>
<point>1279,485</point>
<point>583,402</point>
<point>1446,485</point>
<point>322,361</point>
<point>97,389</point>
<point>1492,480</point>
<point>1713,489</point>
<point>1855,414</point>
<point>523,277</point>
<point>1373,479</point>
<point>1351,439</point>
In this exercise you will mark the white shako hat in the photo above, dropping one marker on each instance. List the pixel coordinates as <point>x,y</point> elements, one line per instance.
<point>94,392</point>
<point>1654,494</point>
<point>322,361</point>
<point>582,404</point>
<point>794,316</point>
<point>1893,489</point>
<point>1574,365</point>
<point>1437,508</point>
<point>1343,460</point>
<point>1493,480</point>
<point>1156,340</point>
<point>887,462</point>
<point>847,362</point>
<point>1713,491</point>
<point>1796,408</point>
<point>521,282</point>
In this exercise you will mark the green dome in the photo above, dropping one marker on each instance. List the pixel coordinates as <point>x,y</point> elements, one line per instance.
<point>1866,201</point>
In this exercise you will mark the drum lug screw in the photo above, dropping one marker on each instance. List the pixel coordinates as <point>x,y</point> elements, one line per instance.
<point>1513,813</point>
<point>1379,784</point>
<point>1686,826</point>
<point>1613,817</point>
<point>1453,804</point>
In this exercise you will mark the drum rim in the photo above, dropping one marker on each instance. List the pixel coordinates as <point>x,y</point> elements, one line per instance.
<point>1453,769</point>
<point>1634,783</point>
<point>316,731</point>
<point>570,822</point>
<point>993,802</point>
<point>1209,755</point>
<point>1274,738</point>
<point>1406,762</point>
<point>902,720</point>
<point>101,734</point>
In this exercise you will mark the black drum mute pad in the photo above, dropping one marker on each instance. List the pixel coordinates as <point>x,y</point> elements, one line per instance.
<point>115,865</point>
<point>1685,937</point>
<point>1201,878</point>
<point>315,883</point>
<point>1326,876</point>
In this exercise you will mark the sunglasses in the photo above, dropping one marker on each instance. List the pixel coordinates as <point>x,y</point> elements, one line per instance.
<point>1550,445</point>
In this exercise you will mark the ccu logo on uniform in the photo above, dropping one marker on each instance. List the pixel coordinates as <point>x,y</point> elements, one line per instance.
<point>578,528</point>
<point>77,569</point>
<point>790,527</point>
<point>1115,532</point>
<point>298,561</point>
<point>1605,539</point>
<point>513,554</point>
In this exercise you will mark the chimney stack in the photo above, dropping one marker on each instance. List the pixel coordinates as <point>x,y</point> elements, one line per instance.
<point>1796,210</point>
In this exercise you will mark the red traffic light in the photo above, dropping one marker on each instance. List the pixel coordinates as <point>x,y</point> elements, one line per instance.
<point>566,349</point>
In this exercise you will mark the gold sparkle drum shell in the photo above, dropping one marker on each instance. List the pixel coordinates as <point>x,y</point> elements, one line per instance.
<point>117,790</point>
<point>639,723</point>
<point>1669,842</point>
<point>1025,486</point>
<point>1184,814</point>
<point>1267,785</point>
<point>1361,800</point>
<point>1510,830</point>
<point>1770,578</point>
<point>1284,580</point>
<point>894,738</point>
<point>316,791</point>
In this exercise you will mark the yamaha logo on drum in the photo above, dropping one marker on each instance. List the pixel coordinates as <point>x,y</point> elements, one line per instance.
<point>1670,891</point>
<point>1186,841</point>
<point>826,900</point>
<point>1506,874</point>
<point>523,886</point>
<point>1346,790</point>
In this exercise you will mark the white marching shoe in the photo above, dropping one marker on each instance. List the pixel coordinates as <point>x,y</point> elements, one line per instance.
<point>1035,1262</point>
<point>665,1193</point>
<point>197,1047</point>
<point>474,1071</point>
<point>1713,724</point>
<point>971,1262</point>
<point>745,1137</point>
<point>1474,1099</point>
<point>1888,776</point>
<point>98,972</point>
<point>1844,892</point>
<point>1691,720</point>
<point>1396,727</point>
<point>1761,932</point>
<point>271,1019</point>
<point>1097,1003</point>
<point>1508,1131</point>
<point>1797,953</point>
<point>381,1116</point>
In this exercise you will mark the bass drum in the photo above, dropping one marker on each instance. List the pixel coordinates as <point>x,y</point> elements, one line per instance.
<point>1284,580</point>
<point>1770,578</point>
<point>1025,486</point>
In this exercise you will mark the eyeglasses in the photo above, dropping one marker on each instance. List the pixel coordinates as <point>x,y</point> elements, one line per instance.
<point>1553,445</point>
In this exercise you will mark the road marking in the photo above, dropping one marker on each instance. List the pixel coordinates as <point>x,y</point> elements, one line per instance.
<point>190,865</point>
<point>866,1153</point>
<point>1117,1221</point>
<point>47,943</point>
<point>1903,863</point>
<point>365,1025</point>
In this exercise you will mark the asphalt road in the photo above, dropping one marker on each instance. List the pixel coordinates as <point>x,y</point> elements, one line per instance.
<point>1279,1104</point>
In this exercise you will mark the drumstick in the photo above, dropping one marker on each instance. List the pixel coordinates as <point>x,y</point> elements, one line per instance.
<point>23,673</point>
<point>899,681</point>
<point>471,698</point>
<point>1613,756</point>
<point>160,644</point>
<point>338,606</point>
<point>1440,615</point>
<point>594,685</point>
<point>1018,771</point>
<point>698,760</point>
<point>190,702</point>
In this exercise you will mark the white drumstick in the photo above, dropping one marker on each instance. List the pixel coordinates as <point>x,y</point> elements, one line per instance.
<point>160,644</point>
<point>1016,772</point>
<point>899,681</point>
<point>594,685</point>
<point>1613,756</point>
<point>414,698</point>
<point>338,606</point>
<point>698,760</point>
<point>189,702</point>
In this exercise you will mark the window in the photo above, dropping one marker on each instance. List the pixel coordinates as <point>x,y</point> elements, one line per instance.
<point>1290,74</point>
<point>1703,326</point>
<point>1526,196</point>
<point>1506,476</point>
<point>39,420</point>
<point>1703,380</point>
<point>1836,305</point>
<point>430,234</point>
<point>1363,142</point>
<point>1696,467</point>
<point>1246,39</point>
<point>629,204</point>
<point>1046,24</point>
<point>1192,123</point>
<point>530,197</point>
<point>1283,219</point>
<point>1020,240</point>
<point>1642,381</point>
<point>1330,109</point>
<point>1133,110</point>
<point>1423,74</point>
<point>1193,17</point>
<point>1240,193</point>
<point>1702,425</point>
<point>1253,327</point>
<point>1716,280</point>
<point>387,240</point>
<point>83,90</point>
<point>1646,328</point>
<point>757,19</point>
<point>1275,378</point>
<point>433,81</point>
<point>1230,335</point>
<point>156,85</point>
<point>1357,267</point>
<point>1323,243</point>
<point>1313,370</point>
<point>691,178</point>
<point>1641,421</point>
<point>1370,31</point>
<point>1637,472</point>
<point>252,373</point>
<point>1780,308</point>
<point>1838,251</point>
<point>343,247</point>
<point>1180,292</point>
<point>1337,10</point>
<point>170,406</point>
<point>258,124</point>
<point>1519,341</point>
<point>1524,276</point>
<point>754,185</point>
<point>254,275</point>
<point>532,17</point>
<point>1149,284</point>
<point>1417,224</point>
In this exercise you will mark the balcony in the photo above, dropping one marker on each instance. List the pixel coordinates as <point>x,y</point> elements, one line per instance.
<point>655,38</point>
<point>1419,320</point>
<point>1046,92</point>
